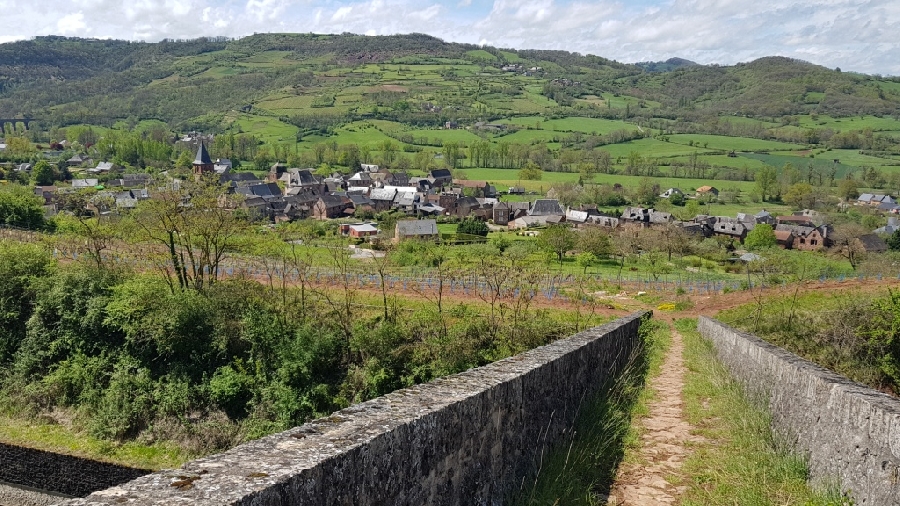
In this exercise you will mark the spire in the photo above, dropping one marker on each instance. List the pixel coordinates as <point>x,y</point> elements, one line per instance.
<point>203,156</point>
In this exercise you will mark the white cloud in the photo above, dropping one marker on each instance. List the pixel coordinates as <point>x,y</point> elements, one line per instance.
<point>853,34</point>
<point>341,13</point>
<point>71,24</point>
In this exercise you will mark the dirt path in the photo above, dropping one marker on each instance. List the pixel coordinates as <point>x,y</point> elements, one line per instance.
<point>665,442</point>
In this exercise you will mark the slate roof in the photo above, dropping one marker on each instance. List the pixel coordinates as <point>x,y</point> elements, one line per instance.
<point>331,201</point>
<point>873,244</point>
<point>408,228</point>
<point>546,207</point>
<point>85,183</point>
<point>265,190</point>
<point>202,157</point>
<point>359,200</point>
<point>383,194</point>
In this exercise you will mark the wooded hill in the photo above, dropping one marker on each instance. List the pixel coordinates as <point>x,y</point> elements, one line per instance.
<point>417,79</point>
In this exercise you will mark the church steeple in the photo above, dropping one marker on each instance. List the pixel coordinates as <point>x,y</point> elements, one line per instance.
<point>202,163</point>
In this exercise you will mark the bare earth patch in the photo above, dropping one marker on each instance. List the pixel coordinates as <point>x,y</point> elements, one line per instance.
<point>654,477</point>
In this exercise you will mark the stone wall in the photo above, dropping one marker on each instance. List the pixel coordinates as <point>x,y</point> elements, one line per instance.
<point>61,474</point>
<point>849,432</point>
<point>469,439</point>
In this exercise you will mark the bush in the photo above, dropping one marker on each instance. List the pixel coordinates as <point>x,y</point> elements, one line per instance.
<point>472,226</point>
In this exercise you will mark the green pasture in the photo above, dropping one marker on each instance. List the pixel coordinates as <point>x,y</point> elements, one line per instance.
<point>481,54</point>
<point>819,164</point>
<point>269,129</point>
<point>851,123</point>
<point>649,147</point>
<point>288,104</point>
<point>722,161</point>
<point>741,120</point>
<point>725,143</point>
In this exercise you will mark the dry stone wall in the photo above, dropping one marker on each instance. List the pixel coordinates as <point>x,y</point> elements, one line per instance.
<point>469,439</point>
<point>849,432</point>
<point>60,474</point>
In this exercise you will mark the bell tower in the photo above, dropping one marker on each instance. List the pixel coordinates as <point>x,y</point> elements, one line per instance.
<point>202,163</point>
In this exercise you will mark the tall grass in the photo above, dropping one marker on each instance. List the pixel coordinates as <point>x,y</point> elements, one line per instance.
<point>740,461</point>
<point>581,469</point>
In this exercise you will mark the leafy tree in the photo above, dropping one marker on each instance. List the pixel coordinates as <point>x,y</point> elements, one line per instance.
<point>893,241</point>
<point>647,192</point>
<point>558,239</point>
<point>767,182</point>
<point>761,237</point>
<point>677,199</point>
<point>19,207</point>
<point>531,172</point>
<point>585,259</point>
<point>595,241</point>
<point>847,243</point>
<point>848,190</point>
<point>452,154</point>
<point>472,226</point>
<point>195,236</point>
<point>800,195</point>
<point>43,174</point>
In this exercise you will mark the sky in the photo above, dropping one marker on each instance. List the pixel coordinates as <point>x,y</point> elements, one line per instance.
<point>855,35</point>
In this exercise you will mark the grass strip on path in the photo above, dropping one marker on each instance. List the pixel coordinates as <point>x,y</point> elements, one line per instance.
<point>740,461</point>
<point>581,470</point>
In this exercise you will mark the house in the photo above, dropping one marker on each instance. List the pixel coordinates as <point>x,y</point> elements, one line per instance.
<point>303,178</point>
<point>440,177</point>
<point>85,183</point>
<point>359,230</point>
<point>892,226</point>
<point>407,202</point>
<point>576,217</point>
<point>871,243</point>
<point>382,198</point>
<point>451,125</point>
<point>636,214</point>
<point>516,190</point>
<point>466,206</point>
<point>671,191</point>
<point>416,229</point>
<point>431,208</point>
<point>265,190</point>
<point>361,202</point>
<point>806,238</point>
<point>731,229</point>
<point>605,221</point>
<point>76,161</point>
<point>133,180</point>
<point>331,206</point>
<point>764,217</point>
<point>477,188</point>
<point>363,179</point>
<point>546,207</point>
<point>102,168</point>
<point>660,218</point>
<point>784,239</point>
<point>874,199</point>
<point>368,167</point>
<point>706,191</point>
<point>523,222</point>
<point>48,193</point>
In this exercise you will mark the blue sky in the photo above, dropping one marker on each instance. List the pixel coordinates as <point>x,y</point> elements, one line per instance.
<point>851,34</point>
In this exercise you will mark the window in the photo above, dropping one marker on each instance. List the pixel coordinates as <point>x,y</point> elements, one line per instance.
<point>802,241</point>
<point>814,242</point>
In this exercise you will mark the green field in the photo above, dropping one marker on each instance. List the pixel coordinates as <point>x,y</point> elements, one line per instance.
<point>724,143</point>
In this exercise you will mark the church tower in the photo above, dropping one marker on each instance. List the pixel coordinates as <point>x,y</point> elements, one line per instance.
<point>202,163</point>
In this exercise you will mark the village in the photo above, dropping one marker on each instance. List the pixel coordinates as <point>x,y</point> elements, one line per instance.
<point>288,194</point>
